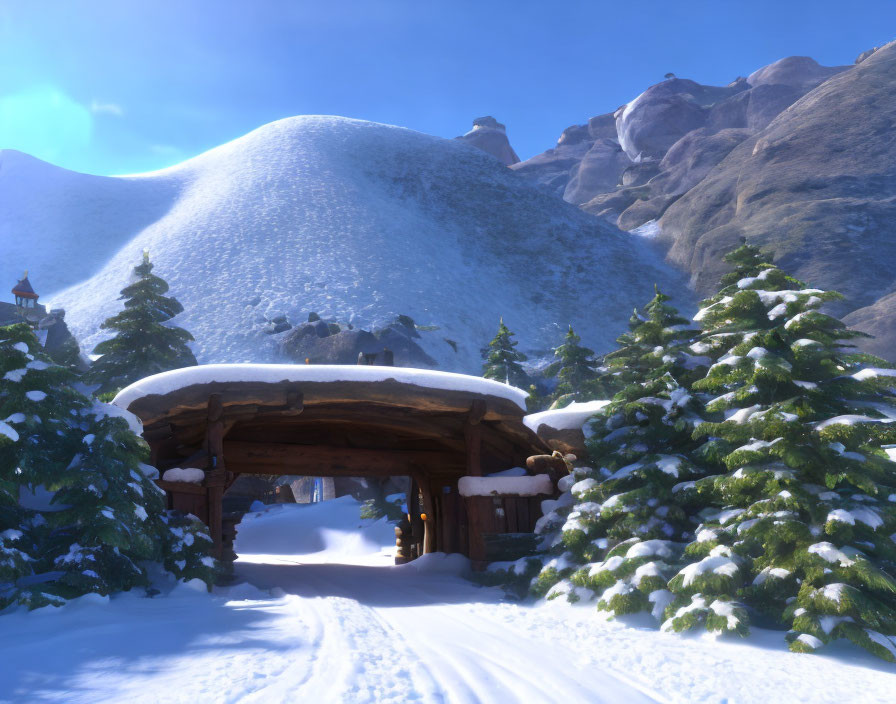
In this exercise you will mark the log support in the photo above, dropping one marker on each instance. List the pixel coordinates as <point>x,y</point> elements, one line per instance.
<point>476,510</point>
<point>427,511</point>
<point>216,473</point>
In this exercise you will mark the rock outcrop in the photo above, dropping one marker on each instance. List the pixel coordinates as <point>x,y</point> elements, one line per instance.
<point>319,342</point>
<point>490,136</point>
<point>799,72</point>
<point>816,186</point>
<point>587,161</point>
<point>650,124</point>
<point>630,165</point>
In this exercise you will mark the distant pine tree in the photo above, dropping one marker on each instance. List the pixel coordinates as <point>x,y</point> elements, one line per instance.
<point>79,510</point>
<point>143,345</point>
<point>576,370</point>
<point>502,361</point>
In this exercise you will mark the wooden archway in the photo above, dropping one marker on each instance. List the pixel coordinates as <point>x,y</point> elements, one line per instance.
<point>388,427</point>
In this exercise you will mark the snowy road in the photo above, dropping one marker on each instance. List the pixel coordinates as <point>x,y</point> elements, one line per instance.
<point>322,617</point>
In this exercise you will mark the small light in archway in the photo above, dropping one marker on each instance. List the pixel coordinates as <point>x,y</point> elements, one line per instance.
<point>422,516</point>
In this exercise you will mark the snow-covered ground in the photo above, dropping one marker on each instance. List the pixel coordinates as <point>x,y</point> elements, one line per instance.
<point>321,615</point>
<point>355,220</point>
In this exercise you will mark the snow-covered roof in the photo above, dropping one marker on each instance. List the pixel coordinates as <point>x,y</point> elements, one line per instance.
<point>167,382</point>
<point>572,417</point>
<point>24,288</point>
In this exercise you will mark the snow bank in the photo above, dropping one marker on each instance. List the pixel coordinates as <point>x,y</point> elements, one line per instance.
<point>439,563</point>
<point>273,373</point>
<point>572,417</point>
<point>512,486</point>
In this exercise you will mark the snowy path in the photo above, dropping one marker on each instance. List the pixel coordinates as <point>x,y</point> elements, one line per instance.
<point>328,620</point>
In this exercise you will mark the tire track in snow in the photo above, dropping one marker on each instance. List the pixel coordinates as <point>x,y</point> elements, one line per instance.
<point>505,664</point>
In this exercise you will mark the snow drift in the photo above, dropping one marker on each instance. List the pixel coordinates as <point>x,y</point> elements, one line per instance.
<point>354,220</point>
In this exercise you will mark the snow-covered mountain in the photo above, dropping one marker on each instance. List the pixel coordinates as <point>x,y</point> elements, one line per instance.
<point>353,220</point>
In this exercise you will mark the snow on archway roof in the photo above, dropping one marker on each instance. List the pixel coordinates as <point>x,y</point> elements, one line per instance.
<point>167,382</point>
<point>572,417</point>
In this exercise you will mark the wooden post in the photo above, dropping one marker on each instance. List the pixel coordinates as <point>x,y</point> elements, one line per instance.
<point>216,472</point>
<point>414,511</point>
<point>428,509</point>
<point>449,518</point>
<point>479,511</point>
<point>476,510</point>
<point>473,438</point>
<point>403,541</point>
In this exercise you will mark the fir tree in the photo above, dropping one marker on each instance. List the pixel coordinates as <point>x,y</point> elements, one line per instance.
<point>796,525</point>
<point>618,531</point>
<point>576,371</point>
<point>72,477</point>
<point>143,345</point>
<point>645,349</point>
<point>15,548</point>
<point>502,361</point>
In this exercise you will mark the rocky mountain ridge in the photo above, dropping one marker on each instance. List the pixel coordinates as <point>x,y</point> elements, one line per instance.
<point>796,157</point>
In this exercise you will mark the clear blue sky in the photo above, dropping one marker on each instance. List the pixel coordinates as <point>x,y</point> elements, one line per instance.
<point>119,86</point>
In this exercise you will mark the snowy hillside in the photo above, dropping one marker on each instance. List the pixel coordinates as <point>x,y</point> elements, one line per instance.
<point>354,220</point>
<point>319,614</point>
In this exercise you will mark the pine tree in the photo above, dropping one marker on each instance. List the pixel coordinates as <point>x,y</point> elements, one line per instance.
<point>143,345</point>
<point>15,548</point>
<point>796,522</point>
<point>73,479</point>
<point>502,361</point>
<point>618,530</point>
<point>576,370</point>
<point>643,350</point>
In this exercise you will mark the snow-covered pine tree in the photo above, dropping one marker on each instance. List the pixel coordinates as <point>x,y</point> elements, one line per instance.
<point>88,513</point>
<point>576,370</point>
<point>502,361</point>
<point>143,344</point>
<point>618,532</point>
<point>15,547</point>
<point>651,329</point>
<point>797,523</point>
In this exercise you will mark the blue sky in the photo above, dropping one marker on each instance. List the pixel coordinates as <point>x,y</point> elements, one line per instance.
<point>120,86</point>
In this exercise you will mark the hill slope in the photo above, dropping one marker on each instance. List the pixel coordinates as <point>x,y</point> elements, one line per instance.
<point>354,220</point>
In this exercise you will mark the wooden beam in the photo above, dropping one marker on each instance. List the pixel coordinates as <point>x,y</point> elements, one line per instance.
<point>319,470</point>
<point>473,438</point>
<point>214,434</point>
<point>327,460</point>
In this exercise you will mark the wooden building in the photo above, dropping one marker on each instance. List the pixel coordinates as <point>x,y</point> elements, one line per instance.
<point>24,293</point>
<point>358,421</point>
